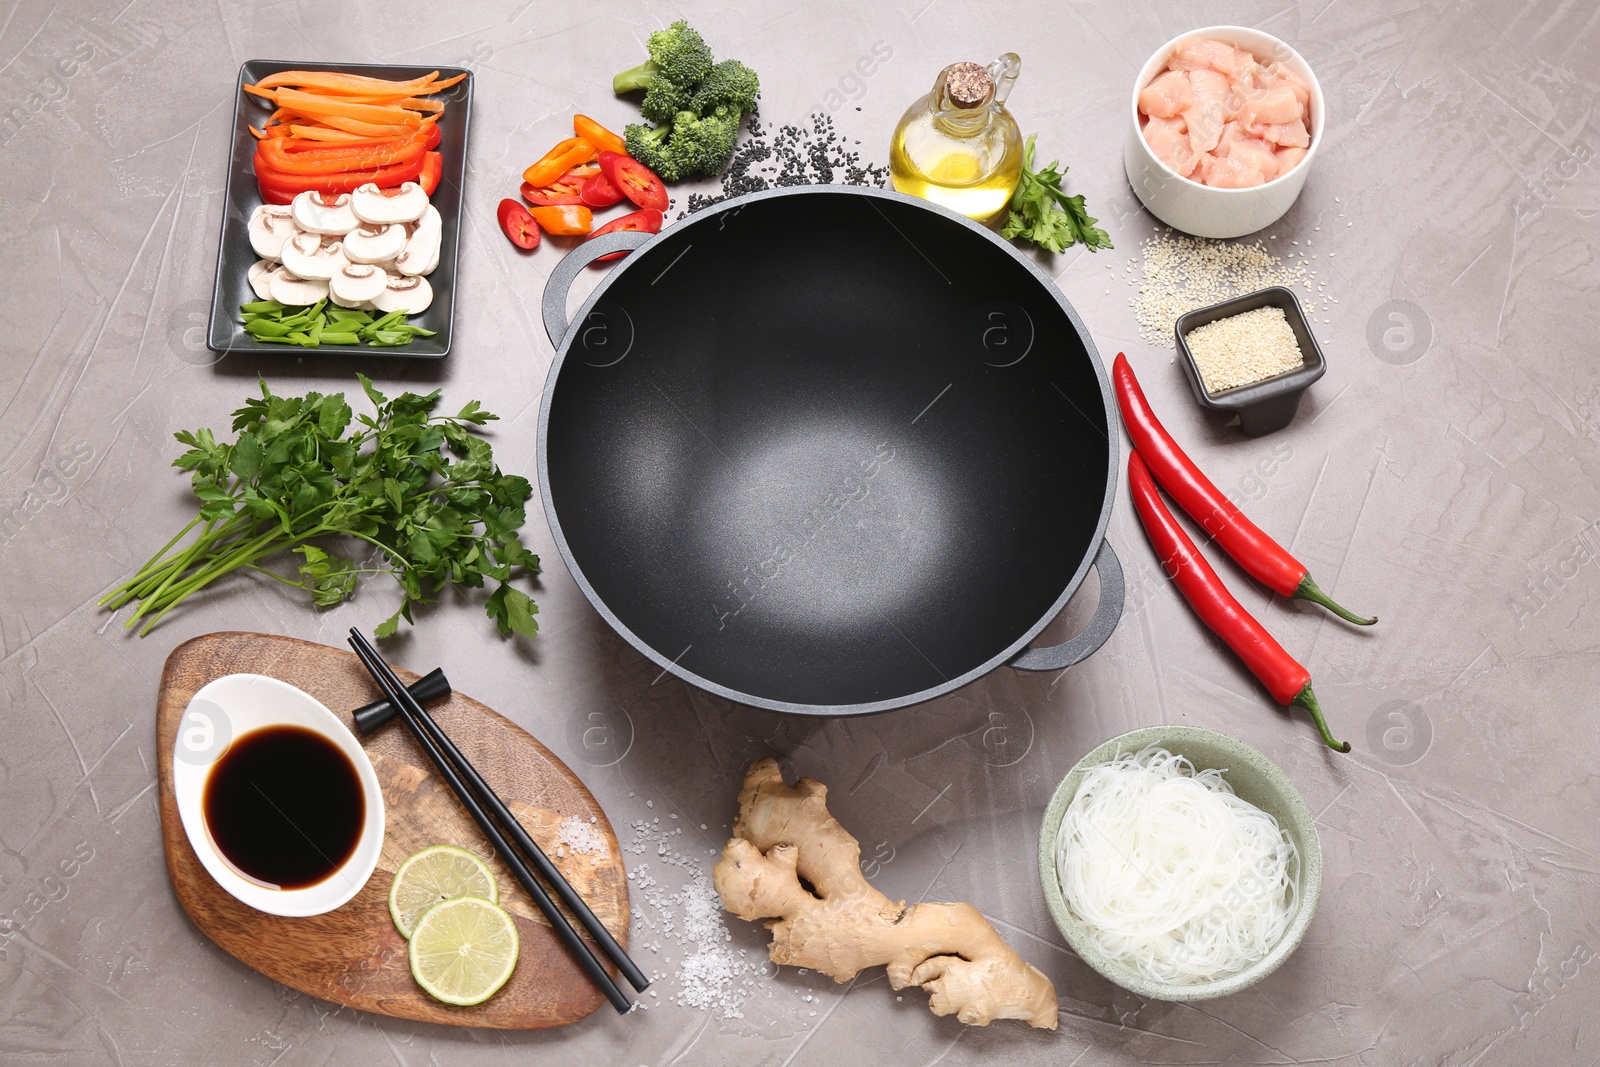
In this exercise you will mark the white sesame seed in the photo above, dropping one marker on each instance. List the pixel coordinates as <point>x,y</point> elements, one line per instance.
<point>1240,349</point>
<point>1181,273</point>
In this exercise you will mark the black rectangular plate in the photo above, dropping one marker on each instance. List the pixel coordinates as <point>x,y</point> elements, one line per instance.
<point>234,254</point>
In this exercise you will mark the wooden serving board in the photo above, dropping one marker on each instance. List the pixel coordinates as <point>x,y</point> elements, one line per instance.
<point>353,955</point>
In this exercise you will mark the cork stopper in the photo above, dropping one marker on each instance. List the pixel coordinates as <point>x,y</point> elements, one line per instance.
<point>968,85</point>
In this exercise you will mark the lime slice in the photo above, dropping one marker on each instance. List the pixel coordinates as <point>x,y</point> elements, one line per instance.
<point>432,876</point>
<point>463,950</point>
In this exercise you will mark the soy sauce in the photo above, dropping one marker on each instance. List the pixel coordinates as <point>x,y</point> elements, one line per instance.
<point>284,807</point>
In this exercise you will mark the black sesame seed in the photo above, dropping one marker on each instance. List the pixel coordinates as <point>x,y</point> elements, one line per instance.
<point>790,156</point>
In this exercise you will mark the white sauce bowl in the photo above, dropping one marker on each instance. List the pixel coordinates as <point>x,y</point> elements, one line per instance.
<point>1199,209</point>
<point>223,711</point>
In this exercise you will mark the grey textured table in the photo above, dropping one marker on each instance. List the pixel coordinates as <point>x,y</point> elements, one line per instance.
<point>1443,474</point>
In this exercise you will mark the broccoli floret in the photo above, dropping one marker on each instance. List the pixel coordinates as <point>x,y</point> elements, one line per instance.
<point>731,86</point>
<point>664,100</point>
<point>702,144</point>
<point>695,105</point>
<point>678,54</point>
<point>692,146</point>
<point>648,145</point>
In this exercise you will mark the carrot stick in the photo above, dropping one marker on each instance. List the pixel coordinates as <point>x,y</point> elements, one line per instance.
<point>402,100</point>
<point>375,129</point>
<point>325,106</point>
<point>350,83</point>
<point>339,137</point>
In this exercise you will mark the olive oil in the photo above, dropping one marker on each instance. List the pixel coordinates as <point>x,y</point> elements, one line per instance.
<point>959,146</point>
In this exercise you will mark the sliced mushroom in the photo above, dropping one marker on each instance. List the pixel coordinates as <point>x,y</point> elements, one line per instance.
<point>405,204</point>
<point>356,283</point>
<point>375,243</point>
<point>422,247</point>
<point>270,226</point>
<point>313,257</point>
<point>287,289</point>
<point>321,213</point>
<point>260,276</point>
<point>402,293</point>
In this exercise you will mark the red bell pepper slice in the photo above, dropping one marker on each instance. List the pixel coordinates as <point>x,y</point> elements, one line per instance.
<point>645,220</point>
<point>432,171</point>
<point>280,188</point>
<point>597,192</point>
<point>634,180</point>
<point>518,224</point>
<point>561,191</point>
<point>337,160</point>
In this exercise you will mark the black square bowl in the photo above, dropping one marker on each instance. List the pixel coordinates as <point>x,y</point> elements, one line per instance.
<point>234,254</point>
<point>1262,406</point>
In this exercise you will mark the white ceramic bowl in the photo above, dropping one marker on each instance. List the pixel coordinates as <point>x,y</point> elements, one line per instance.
<point>1199,209</point>
<point>218,715</point>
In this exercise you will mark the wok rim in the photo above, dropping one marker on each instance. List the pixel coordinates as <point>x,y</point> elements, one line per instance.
<point>667,664</point>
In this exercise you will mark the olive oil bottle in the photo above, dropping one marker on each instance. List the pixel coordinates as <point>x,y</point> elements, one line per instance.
<point>959,146</point>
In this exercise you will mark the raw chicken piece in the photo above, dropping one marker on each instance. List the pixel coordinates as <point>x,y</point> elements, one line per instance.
<point>1280,73</point>
<point>1169,141</point>
<point>1271,104</point>
<point>1209,108</point>
<point>1232,172</point>
<point>1204,53</point>
<point>1288,157</point>
<point>1252,152</point>
<point>1233,130</point>
<point>1288,134</point>
<point>1166,96</point>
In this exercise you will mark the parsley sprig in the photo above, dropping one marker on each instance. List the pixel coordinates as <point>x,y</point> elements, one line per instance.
<point>1041,212</point>
<point>421,489</point>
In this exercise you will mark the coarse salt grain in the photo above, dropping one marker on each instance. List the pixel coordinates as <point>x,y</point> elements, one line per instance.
<point>1243,349</point>
<point>581,837</point>
<point>711,974</point>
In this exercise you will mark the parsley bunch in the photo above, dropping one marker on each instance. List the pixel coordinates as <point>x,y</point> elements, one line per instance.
<point>422,489</point>
<point>1041,212</point>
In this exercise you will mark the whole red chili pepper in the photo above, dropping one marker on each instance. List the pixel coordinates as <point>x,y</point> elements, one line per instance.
<point>1261,557</point>
<point>1287,681</point>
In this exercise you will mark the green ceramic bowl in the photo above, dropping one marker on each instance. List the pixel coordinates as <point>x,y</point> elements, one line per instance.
<point>1253,777</point>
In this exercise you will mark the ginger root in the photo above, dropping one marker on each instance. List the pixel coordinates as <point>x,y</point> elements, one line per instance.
<point>841,924</point>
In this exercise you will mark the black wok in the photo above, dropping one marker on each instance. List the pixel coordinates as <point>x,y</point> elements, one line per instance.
<point>828,450</point>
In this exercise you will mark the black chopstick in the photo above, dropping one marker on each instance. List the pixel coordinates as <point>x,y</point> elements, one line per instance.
<point>519,836</point>
<point>413,715</point>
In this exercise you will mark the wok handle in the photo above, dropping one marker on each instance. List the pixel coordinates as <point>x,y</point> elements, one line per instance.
<point>1106,616</point>
<point>566,272</point>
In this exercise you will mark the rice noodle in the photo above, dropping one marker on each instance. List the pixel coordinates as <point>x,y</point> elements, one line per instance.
<point>1172,873</point>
